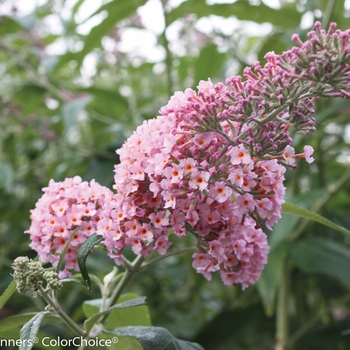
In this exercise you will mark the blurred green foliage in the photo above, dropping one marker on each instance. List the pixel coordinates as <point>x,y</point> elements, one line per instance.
<point>61,116</point>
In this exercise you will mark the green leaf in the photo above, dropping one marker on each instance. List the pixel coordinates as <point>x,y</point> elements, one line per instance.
<point>129,317</point>
<point>12,335</point>
<point>83,253</point>
<point>125,317</point>
<point>107,102</point>
<point>116,10</point>
<point>9,25</point>
<point>127,343</point>
<point>73,280</point>
<point>285,226</point>
<point>63,253</point>
<point>11,322</point>
<point>7,293</point>
<point>136,316</point>
<point>307,214</point>
<point>286,16</point>
<point>31,97</point>
<point>278,40</point>
<point>130,303</point>
<point>30,330</point>
<point>77,6</point>
<point>317,255</point>
<point>155,338</point>
<point>209,63</point>
<point>270,278</point>
<point>90,307</point>
<point>282,230</point>
<point>71,110</point>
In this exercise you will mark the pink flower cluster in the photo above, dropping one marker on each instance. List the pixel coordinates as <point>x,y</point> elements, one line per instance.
<point>173,179</point>
<point>67,206</point>
<point>324,57</point>
<point>211,165</point>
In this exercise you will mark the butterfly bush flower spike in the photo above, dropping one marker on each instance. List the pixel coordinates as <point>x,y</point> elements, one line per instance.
<point>65,207</point>
<point>213,163</point>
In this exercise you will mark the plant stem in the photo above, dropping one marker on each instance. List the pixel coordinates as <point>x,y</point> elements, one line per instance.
<point>131,270</point>
<point>53,303</point>
<point>175,252</point>
<point>282,312</point>
<point>302,93</point>
<point>129,273</point>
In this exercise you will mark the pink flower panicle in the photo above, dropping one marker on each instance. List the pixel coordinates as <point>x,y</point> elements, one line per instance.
<point>64,207</point>
<point>202,185</point>
<point>285,89</point>
<point>323,58</point>
<point>213,163</point>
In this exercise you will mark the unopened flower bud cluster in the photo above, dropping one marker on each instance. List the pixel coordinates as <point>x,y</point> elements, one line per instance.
<point>29,275</point>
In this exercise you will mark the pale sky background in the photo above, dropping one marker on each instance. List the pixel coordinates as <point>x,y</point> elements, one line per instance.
<point>151,13</point>
<point>138,42</point>
<point>143,41</point>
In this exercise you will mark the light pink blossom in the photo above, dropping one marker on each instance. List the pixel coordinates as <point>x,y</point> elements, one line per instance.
<point>65,207</point>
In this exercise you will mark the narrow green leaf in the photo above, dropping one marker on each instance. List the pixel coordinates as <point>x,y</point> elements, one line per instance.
<point>73,280</point>
<point>130,303</point>
<point>155,338</point>
<point>15,321</point>
<point>30,330</point>
<point>286,16</point>
<point>77,6</point>
<point>295,210</point>
<point>116,10</point>
<point>285,226</point>
<point>83,253</point>
<point>125,7</point>
<point>63,253</point>
<point>7,293</point>
<point>317,255</point>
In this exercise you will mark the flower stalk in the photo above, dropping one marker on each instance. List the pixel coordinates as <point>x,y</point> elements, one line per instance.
<point>58,310</point>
